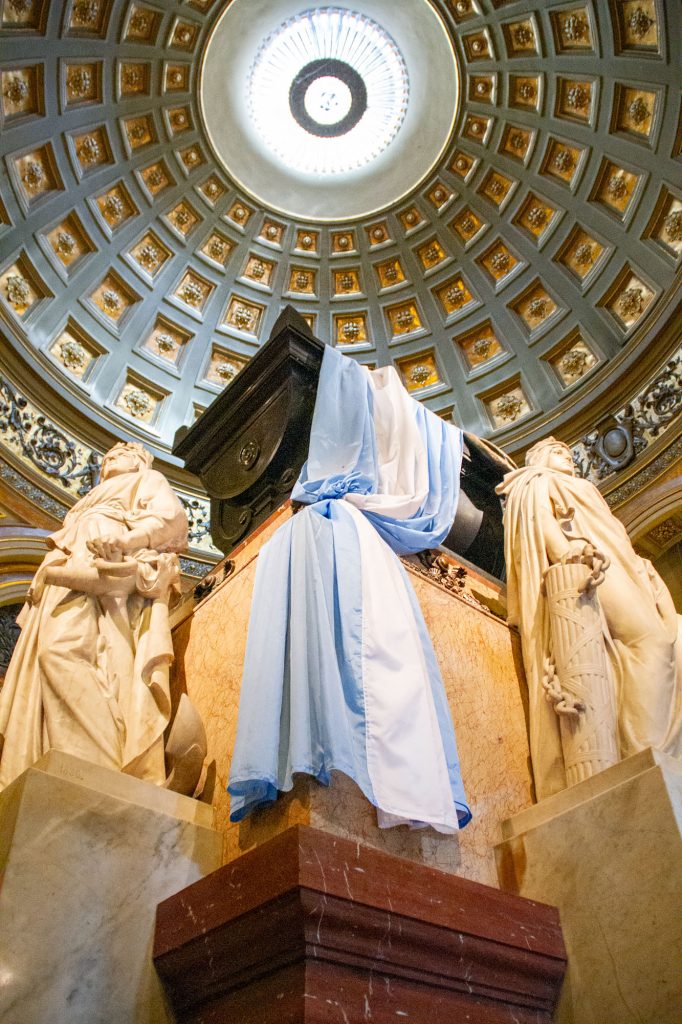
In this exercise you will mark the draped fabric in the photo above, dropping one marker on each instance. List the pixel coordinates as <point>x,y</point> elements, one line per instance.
<point>340,673</point>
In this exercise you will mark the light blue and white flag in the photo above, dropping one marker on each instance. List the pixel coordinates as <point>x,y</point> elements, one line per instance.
<point>340,673</point>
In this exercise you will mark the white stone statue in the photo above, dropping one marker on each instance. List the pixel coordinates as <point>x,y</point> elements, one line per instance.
<point>598,626</point>
<point>89,675</point>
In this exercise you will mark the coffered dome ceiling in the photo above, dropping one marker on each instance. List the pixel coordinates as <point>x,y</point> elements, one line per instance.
<point>507,233</point>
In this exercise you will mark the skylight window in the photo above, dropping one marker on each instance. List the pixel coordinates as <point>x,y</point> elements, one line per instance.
<point>328,91</point>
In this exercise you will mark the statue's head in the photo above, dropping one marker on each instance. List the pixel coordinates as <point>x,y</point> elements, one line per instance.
<point>125,457</point>
<point>552,454</point>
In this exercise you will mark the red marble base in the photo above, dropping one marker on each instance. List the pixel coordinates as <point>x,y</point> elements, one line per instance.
<point>309,928</point>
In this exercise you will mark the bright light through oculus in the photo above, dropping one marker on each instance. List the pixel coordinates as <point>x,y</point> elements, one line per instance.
<point>328,91</point>
<point>328,100</point>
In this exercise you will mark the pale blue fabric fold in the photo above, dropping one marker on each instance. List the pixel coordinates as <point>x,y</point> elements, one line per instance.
<point>303,695</point>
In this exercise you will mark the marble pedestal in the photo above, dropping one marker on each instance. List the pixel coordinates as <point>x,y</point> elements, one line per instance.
<point>85,856</point>
<point>480,659</point>
<point>608,854</point>
<point>312,929</point>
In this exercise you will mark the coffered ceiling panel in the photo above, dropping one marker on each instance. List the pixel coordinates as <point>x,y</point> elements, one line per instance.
<point>521,272</point>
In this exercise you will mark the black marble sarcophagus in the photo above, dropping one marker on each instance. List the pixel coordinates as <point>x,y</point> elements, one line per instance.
<point>249,445</point>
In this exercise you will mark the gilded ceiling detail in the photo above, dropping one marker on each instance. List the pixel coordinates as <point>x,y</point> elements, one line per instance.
<point>138,279</point>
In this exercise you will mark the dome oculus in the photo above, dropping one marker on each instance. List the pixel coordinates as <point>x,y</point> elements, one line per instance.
<point>328,91</point>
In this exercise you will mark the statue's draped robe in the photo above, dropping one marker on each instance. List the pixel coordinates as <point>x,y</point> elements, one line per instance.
<point>640,624</point>
<point>89,675</point>
<point>340,673</point>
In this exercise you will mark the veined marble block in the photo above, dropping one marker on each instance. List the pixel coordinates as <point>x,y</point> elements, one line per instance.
<point>480,659</point>
<point>86,854</point>
<point>608,854</point>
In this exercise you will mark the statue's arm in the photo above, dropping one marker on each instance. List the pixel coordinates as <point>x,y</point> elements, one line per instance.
<point>158,519</point>
<point>557,544</point>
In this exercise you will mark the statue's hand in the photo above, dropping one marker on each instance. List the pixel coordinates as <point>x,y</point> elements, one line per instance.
<point>112,548</point>
<point>107,547</point>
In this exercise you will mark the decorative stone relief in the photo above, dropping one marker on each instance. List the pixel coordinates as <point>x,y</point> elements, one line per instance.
<point>83,83</point>
<point>520,38</point>
<point>139,131</point>
<point>507,408</point>
<point>150,253</point>
<point>41,444</point>
<point>350,328</point>
<point>18,292</point>
<point>477,46</point>
<point>535,306</point>
<point>184,35</point>
<point>628,299</point>
<point>419,372</point>
<point>302,280</point>
<point>496,187</point>
<point>22,93</point>
<point>580,254</point>
<point>212,189</point>
<point>223,366</point>
<point>477,128</point>
<point>259,270</point>
<point>574,99</point>
<point>378,234</point>
<point>572,30</point>
<point>615,188</point>
<point>116,206</point>
<point>73,355</point>
<point>524,91</point>
<point>113,297</point>
<point>346,281</point>
<point>36,172</point>
<point>192,158</point>
<point>245,316</point>
<point>134,79</point>
<point>403,318</point>
<point>430,254</point>
<point>629,431</point>
<point>575,363</point>
<point>272,232</point>
<point>411,218</point>
<point>390,273</point>
<point>143,24</point>
<point>184,218</point>
<point>463,165</point>
<point>217,248</point>
<point>166,340</point>
<point>467,224</point>
<point>342,242</point>
<point>88,17</point>
<point>562,161</point>
<point>307,241</point>
<point>516,142</point>
<point>479,345</point>
<point>193,291</point>
<point>453,295</point>
<point>179,120</point>
<point>498,261</point>
<point>239,213</point>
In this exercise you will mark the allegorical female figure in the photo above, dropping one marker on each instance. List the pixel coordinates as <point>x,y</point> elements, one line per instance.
<point>603,624</point>
<point>89,675</point>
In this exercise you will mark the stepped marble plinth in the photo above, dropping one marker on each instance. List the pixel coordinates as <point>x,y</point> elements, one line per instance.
<point>608,854</point>
<point>85,856</point>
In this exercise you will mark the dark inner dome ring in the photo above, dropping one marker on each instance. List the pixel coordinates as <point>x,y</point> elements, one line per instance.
<point>327,67</point>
